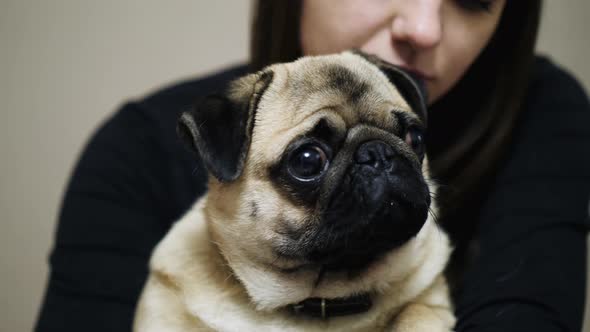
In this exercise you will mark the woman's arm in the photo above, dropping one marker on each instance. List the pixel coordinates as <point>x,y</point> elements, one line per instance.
<point>133,181</point>
<point>118,205</point>
<point>531,271</point>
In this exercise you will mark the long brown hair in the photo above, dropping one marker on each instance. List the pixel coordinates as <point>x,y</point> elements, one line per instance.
<point>470,128</point>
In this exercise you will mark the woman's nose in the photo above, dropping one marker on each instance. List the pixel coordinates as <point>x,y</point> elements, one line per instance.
<point>419,23</point>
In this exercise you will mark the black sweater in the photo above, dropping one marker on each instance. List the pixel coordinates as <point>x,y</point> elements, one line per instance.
<point>134,179</point>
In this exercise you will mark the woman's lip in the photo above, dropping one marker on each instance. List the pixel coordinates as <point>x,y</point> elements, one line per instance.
<point>419,74</point>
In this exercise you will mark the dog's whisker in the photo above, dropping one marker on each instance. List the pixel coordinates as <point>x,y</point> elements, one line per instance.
<point>440,230</point>
<point>434,216</point>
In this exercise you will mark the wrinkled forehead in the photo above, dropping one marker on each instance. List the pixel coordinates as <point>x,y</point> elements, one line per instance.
<point>345,89</point>
<point>346,82</point>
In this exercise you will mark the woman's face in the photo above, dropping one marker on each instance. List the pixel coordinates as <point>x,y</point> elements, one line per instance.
<point>436,39</point>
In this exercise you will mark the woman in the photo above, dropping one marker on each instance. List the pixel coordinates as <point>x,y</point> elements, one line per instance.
<point>507,141</point>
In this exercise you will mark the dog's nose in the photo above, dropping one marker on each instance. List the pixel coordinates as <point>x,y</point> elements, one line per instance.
<point>376,154</point>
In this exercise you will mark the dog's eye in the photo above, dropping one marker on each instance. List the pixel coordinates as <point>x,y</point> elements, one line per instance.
<point>415,139</point>
<point>307,162</point>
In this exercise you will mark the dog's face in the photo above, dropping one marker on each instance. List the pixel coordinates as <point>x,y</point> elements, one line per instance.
<point>317,167</point>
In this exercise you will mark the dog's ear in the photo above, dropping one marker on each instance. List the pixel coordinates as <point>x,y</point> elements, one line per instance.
<point>410,87</point>
<point>219,128</point>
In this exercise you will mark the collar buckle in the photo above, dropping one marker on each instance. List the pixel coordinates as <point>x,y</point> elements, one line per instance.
<point>326,308</point>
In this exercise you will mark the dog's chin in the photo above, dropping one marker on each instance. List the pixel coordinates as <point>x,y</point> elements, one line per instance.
<point>287,281</point>
<point>294,269</point>
<point>350,242</point>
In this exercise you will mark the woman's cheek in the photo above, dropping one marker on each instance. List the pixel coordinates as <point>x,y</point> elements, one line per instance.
<point>463,46</point>
<point>331,26</point>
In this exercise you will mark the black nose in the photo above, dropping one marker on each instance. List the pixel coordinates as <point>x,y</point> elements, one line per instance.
<point>376,154</point>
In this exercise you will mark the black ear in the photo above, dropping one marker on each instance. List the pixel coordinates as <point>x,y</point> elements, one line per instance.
<point>219,128</point>
<point>409,86</point>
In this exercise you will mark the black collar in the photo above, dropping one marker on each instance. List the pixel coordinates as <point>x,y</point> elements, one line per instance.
<point>326,308</point>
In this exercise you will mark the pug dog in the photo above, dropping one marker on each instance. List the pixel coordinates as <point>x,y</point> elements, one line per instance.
<point>317,211</point>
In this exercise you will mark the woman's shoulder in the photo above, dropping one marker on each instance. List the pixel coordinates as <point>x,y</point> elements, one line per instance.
<point>141,135</point>
<point>549,155</point>
<point>165,104</point>
<point>155,114</point>
<point>555,104</point>
<point>185,92</point>
<point>552,85</point>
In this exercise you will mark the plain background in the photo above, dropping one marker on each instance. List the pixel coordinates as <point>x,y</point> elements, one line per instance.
<point>66,65</point>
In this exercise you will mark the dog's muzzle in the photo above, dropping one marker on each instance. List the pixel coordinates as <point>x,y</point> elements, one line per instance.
<point>380,203</point>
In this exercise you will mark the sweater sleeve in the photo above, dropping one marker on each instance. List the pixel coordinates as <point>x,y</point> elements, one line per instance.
<point>530,273</point>
<point>116,208</point>
<point>133,180</point>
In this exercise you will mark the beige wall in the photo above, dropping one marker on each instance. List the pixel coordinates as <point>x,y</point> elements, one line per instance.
<point>564,36</point>
<point>65,65</point>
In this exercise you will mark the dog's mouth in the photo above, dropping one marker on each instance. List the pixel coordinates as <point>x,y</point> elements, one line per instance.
<point>352,240</point>
<point>349,241</point>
